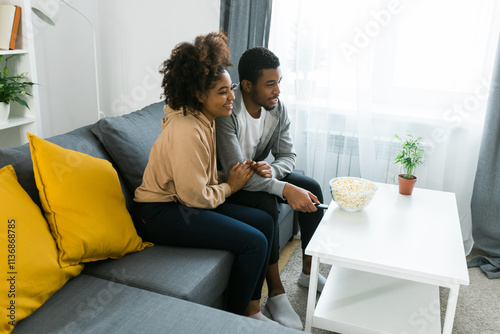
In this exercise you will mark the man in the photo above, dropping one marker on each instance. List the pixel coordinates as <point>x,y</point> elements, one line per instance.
<point>259,125</point>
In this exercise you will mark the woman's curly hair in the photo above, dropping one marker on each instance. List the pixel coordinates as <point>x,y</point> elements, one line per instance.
<point>194,67</point>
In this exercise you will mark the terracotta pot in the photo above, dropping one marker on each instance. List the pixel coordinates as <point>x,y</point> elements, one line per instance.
<point>405,185</point>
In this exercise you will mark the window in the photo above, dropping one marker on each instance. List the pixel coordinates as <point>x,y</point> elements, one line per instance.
<point>417,59</point>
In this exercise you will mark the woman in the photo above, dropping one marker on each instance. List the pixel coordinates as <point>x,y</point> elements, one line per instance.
<point>180,201</point>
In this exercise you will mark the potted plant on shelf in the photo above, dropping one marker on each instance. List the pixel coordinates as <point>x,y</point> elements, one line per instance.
<point>12,88</point>
<point>408,158</point>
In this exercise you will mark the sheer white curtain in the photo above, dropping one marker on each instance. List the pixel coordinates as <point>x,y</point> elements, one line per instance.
<point>357,72</point>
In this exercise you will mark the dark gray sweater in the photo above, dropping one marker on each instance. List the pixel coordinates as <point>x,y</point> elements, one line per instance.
<point>276,139</point>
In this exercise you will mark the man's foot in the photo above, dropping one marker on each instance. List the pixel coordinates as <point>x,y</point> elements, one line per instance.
<point>282,312</point>
<point>261,317</point>
<point>304,281</point>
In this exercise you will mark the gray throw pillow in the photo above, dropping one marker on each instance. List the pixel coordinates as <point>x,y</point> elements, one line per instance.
<point>128,140</point>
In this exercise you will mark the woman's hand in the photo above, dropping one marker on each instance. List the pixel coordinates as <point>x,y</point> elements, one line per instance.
<point>239,176</point>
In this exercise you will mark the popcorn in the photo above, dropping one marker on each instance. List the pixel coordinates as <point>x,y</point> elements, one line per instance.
<point>352,194</point>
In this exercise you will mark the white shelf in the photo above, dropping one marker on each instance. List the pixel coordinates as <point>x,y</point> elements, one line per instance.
<point>21,119</point>
<point>16,121</point>
<point>358,302</point>
<point>13,52</point>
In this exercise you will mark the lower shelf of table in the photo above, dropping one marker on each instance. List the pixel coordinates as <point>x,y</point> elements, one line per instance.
<point>357,302</point>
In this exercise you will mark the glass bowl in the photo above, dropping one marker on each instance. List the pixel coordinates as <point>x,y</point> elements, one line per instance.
<point>352,193</point>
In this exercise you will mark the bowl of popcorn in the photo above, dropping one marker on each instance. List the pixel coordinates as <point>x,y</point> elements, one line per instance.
<point>352,193</point>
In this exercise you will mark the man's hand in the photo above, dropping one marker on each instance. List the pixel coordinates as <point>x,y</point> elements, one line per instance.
<point>262,168</point>
<point>300,199</point>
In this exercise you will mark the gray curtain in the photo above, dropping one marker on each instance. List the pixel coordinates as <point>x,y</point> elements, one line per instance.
<point>247,24</point>
<point>485,206</point>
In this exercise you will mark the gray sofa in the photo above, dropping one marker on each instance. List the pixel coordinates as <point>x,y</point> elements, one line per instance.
<point>158,290</point>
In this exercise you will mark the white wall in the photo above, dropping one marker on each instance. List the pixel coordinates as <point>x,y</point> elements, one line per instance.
<point>133,39</point>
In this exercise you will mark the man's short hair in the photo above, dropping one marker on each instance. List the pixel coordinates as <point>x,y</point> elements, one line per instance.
<point>253,61</point>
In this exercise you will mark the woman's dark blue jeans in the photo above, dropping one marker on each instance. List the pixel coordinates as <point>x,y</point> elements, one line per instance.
<point>243,231</point>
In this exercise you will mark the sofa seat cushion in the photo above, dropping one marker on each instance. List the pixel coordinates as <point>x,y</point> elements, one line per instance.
<point>286,224</point>
<point>197,275</point>
<point>88,304</point>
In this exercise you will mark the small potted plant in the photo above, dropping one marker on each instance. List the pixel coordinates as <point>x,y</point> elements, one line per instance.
<point>12,88</point>
<point>408,158</point>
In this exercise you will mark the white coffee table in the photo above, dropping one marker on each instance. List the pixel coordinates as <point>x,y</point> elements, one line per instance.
<point>388,262</point>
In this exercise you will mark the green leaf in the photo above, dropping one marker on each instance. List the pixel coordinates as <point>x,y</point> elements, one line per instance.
<point>410,154</point>
<point>13,87</point>
<point>21,102</point>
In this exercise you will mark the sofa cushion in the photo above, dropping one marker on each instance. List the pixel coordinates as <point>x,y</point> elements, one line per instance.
<point>81,139</point>
<point>29,267</point>
<point>286,224</point>
<point>197,275</point>
<point>129,138</point>
<point>83,204</point>
<point>91,305</point>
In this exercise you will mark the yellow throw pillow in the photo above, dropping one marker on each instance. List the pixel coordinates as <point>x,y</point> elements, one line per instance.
<point>83,204</point>
<point>30,271</point>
